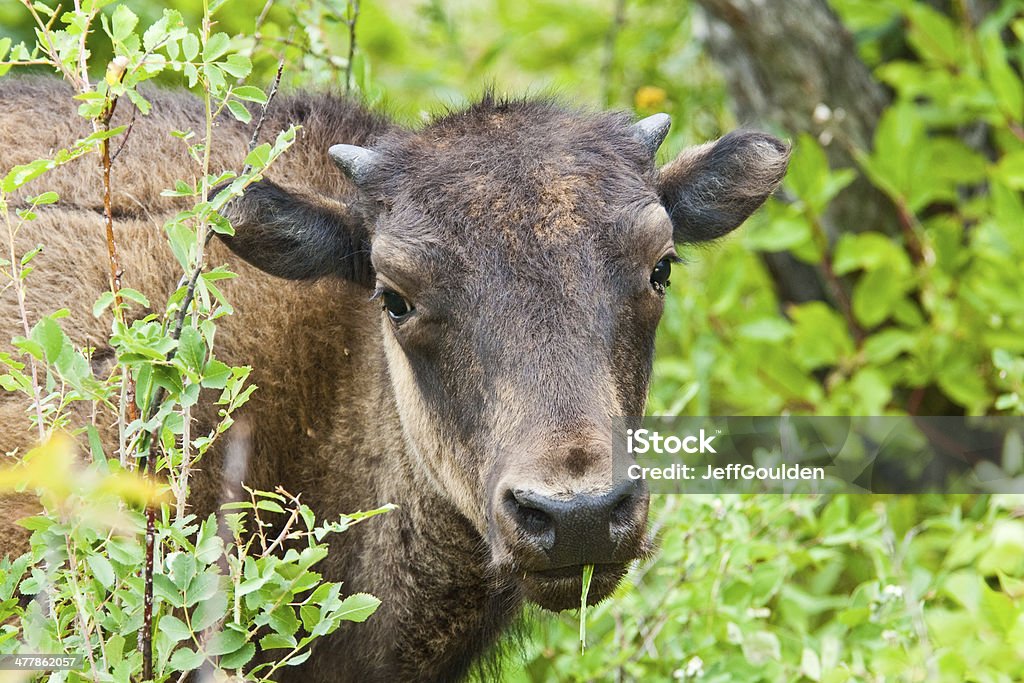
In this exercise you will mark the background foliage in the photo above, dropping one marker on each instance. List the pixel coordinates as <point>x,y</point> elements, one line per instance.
<point>924,315</point>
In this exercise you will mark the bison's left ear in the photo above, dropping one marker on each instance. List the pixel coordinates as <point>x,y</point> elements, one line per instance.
<point>710,190</point>
<point>301,237</point>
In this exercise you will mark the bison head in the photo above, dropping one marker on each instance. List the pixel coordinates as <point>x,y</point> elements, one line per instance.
<point>520,254</point>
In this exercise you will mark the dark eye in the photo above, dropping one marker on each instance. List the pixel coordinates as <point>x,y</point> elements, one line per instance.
<point>395,304</point>
<point>660,275</point>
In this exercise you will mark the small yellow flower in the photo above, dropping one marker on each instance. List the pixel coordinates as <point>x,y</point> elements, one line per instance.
<point>649,97</point>
<point>116,69</point>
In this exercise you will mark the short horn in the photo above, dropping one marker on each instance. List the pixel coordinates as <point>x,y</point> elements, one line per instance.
<point>651,131</point>
<point>355,161</point>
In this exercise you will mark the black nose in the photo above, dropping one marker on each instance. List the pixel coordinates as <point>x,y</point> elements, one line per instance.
<point>581,529</point>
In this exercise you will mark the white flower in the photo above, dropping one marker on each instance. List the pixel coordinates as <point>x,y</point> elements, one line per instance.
<point>695,667</point>
<point>893,591</point>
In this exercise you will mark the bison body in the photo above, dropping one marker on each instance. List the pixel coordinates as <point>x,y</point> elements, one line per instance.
<point>446,319</point>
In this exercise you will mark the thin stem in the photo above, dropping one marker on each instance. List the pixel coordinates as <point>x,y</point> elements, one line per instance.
<point>254,140</point>
<point>353,17</point>
<point>19,290</point>
<point>610,38</point>
<point>835,285</point>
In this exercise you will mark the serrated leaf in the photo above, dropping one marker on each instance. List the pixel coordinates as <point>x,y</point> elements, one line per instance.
<point>203,587</point>
<point>50,337</point>
<point>192,348</point>
<point>358,607</point>
<point>259,156</point>
<point>250,93</point>
<point>284,621</point>
<point>239,657</point>
<point>239,111</point>
<point>122,23</point>
<point>238,66</point>
<point>216,375</point>
<point>216,46</point>
<point>269,505</point>
<point>174,628</point>
<point>224,642</point>
<point>209,612</point>
<point>187,659</point>
<point>274,641</point>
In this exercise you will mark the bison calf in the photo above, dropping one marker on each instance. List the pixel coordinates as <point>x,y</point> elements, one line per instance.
<point>445,318</point>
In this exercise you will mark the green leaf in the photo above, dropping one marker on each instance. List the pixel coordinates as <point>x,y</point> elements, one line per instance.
<point>934,36</point>
<point>101,569</point>
<point>275,641</point>
<point>767,330</point>
<point>250,93</point>
<point>809,175</point>
<point>183,570</point>
<point>270,506</point>
<point>216,375</point>
<point>876,294</point>
<point>224,642</point>
<point>174,628</point>
<point>122,23</point>
<point>216,46</point>
<point>237,66</point>
<point>105,300</point>
<point>44,198</point>
<point>207,613</point>
<point>50,337</point>
<point>259,157</point>
<point>203,588</point>
<point>888,344</point>
<point>1010,169</point>
<point>190,47</point>
<point>134,295</point>
<point>187,659</point>
<point>358,607</point>
<point>239,657</point>
<point>869,251</point>
<point>22,174</point>
<point>239,111</point>
<point>192,348</point>
<point>284,621</point>
<point>1005,82</point>
<point>820,336</point>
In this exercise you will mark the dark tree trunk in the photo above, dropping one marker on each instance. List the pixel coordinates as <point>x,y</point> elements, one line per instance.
<point>783,60</point>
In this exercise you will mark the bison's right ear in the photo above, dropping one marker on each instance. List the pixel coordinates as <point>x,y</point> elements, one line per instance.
<point>299,237</point>
<point>710,190</point>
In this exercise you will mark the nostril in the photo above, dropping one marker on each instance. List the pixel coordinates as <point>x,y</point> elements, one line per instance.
<point>529,518</point>
<point>533,521</point>
<point>622,511</point>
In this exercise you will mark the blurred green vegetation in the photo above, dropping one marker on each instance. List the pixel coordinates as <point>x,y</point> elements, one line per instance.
<point>770,588</point>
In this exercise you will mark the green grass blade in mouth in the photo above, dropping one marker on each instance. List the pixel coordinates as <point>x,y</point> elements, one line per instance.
<point>588,574</point>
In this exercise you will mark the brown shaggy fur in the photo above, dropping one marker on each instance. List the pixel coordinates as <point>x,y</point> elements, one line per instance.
<point>525,235</point>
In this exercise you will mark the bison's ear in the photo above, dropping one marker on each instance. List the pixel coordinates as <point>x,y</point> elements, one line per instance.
<point>299,237</point>
<point>710,190</point>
